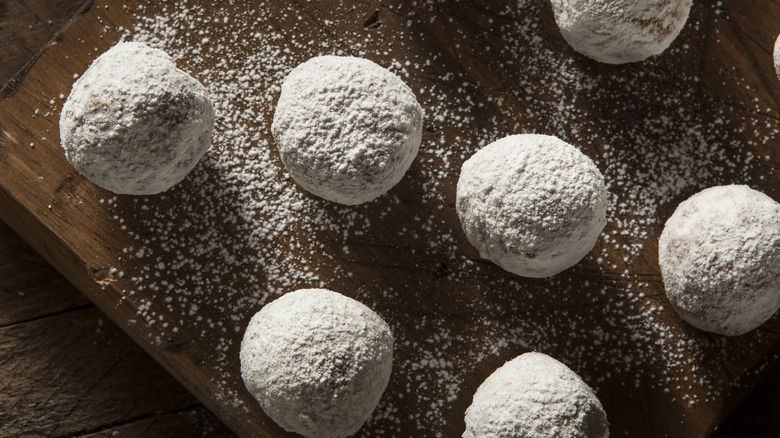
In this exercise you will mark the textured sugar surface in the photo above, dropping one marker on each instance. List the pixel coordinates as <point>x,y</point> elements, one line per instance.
<point>720,258</point>
<point>347,129</point>
<point>776,56</point>
<point>534,215</point>
<point>550,399</point>
<point>317,361</point>
<point>134,123</point>
<point>620,31</point>
<point>238,232</point>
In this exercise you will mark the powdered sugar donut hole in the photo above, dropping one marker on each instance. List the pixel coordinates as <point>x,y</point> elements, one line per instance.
<point>535,396</point>
<point>317,362</point>
<point>533,204</point>
<point>776,56</point>
<point>719,255</point>
<point>620,31</point>
<point>134,123</point>
<point>347,129</point>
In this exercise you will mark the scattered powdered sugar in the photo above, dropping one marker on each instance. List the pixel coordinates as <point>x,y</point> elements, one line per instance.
<point>719,254</point>
<point>535,396</point>
<point>134,123</point>
<point>620,31</point>
<point>347,129</point>
<point>535,214</point>
<point>317,362</point>
<point>238,230</point>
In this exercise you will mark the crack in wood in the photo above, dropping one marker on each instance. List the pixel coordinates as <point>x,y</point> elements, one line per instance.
<point>373,21</point>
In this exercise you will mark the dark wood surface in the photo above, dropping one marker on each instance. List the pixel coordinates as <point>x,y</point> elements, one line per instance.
<point>60,334</point>
<point>66,369</point>
<point>27,26</point>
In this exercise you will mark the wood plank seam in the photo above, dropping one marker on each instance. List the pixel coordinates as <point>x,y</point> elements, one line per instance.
<point>47,315</point>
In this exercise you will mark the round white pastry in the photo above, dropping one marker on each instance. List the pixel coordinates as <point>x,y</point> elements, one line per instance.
<point>317,362</point>
<point>533,204</point>
<point>776,56</point>
<point>347,129</point>
<point>535,396</point>
<point>620,31</point>
<point>134,123</point>
<point>720,259</point>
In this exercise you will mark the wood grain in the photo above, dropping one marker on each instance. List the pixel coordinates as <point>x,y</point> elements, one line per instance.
<point>69,371</point>
<point>36,303</point>
<point>27,26</point>
<point>30,288</point>
<point>61,215</point>
<point>57,383</point>
<point>186,423</point>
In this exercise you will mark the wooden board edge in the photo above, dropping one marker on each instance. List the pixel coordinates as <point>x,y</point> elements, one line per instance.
<point>51,247</point>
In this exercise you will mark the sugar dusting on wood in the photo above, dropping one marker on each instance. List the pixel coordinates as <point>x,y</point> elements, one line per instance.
<point>238,232</point>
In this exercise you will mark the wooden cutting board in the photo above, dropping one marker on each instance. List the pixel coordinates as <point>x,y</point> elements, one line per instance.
<point>183,272</point>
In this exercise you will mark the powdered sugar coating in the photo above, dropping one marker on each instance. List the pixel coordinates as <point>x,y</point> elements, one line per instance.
<point>776,56</point>
<point>134,123</point>
<point>347,129</point>
<point>620,31</point>
<point>635,343</point>
<point>720,259</point>
<point>532,204</point>
<point>535,396</point>
<point>317,362</point>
